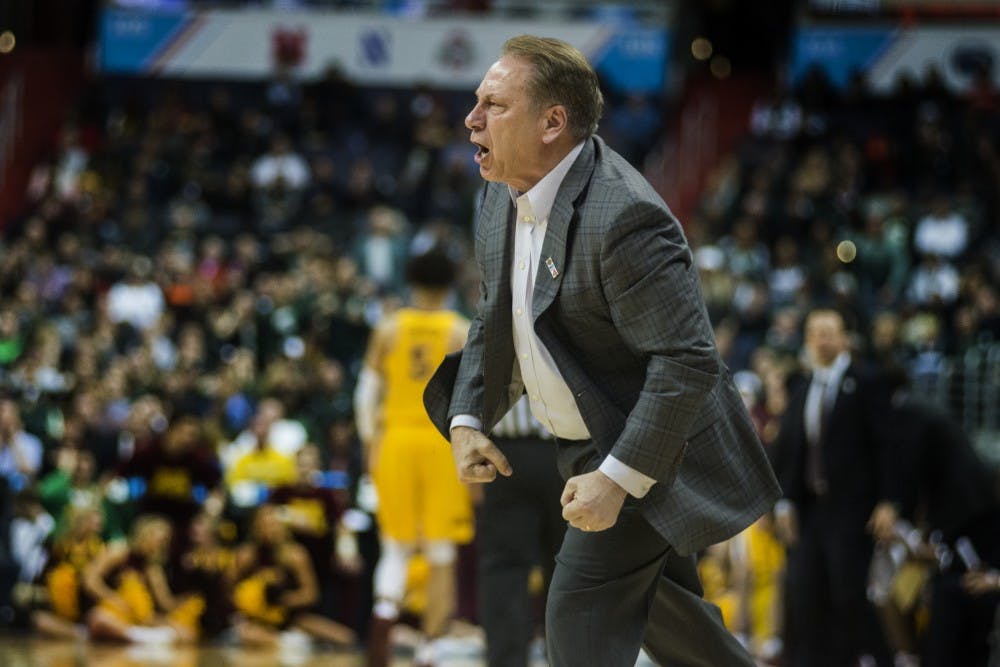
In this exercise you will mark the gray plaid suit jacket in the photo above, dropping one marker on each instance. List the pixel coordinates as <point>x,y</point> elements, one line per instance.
<point>626,324</point>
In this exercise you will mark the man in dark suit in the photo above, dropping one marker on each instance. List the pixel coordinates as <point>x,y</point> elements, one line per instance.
<point>833,459</point>
<point>590,304</point>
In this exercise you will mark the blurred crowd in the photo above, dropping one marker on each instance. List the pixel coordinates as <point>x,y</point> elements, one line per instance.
<point>884,210</point>
<point>186,302</point>
<point>884,207</point>
<point>184,308</point>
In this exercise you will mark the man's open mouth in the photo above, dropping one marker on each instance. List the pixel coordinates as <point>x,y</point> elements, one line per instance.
<point>481,151</point>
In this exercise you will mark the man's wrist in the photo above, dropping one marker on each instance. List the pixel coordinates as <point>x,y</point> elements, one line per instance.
<point>633,482</point>
<point>468,421</point>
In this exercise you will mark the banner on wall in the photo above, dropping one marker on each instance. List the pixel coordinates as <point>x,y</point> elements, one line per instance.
<point>885,53</point>
<point>370,49</point>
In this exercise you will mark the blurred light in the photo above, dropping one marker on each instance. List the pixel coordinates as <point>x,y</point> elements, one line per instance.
<point>721,68</point>
<point>701,48</point>
<point>7,41</point>
<point>846,251</point>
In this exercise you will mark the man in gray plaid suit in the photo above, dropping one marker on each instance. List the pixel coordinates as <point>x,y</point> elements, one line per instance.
<point>591,306</point>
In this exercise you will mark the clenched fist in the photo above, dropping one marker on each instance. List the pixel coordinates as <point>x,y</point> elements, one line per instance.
<point>477,459</point>
<point>592,502</point>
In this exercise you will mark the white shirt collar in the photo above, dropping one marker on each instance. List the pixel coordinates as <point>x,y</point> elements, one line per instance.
<point>834,371</point>
<point>543,195</point>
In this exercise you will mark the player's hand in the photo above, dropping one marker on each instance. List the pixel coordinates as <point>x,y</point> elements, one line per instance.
<point>979,582</point>
<point>592,502</point>
<point>882,523</point>
<point>477,459</point>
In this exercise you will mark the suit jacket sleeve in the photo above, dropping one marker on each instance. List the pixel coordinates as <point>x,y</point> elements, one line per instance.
<point>456,388</point>
<point>656,304</point>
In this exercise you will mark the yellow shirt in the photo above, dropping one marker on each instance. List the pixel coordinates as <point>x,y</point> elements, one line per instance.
<point>263,466</point>
<point>421,342</point>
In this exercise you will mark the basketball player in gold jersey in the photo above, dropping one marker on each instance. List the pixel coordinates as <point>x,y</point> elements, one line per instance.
<point>421,503</point>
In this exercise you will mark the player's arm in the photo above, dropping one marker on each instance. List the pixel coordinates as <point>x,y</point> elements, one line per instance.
<point>296,559</point>
<point>157,578</point>
<point>369,392</point>
<point>243,562</point>
<point>459,334</point>
<point>96,572</point>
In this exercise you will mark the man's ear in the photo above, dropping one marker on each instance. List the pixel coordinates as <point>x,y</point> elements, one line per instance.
<point>556,122</point>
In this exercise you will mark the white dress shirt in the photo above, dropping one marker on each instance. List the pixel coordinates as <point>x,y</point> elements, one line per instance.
<point>550,398</point>
<point>822,393</point>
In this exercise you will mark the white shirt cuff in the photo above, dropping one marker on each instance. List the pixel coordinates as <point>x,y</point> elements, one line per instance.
<point>466,420</point>
<point>634,482</point>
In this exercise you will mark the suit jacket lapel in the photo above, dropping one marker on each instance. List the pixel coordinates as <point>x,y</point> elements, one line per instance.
<point>552,263</point>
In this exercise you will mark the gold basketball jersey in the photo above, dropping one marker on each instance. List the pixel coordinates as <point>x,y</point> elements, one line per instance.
<point>422,338</point>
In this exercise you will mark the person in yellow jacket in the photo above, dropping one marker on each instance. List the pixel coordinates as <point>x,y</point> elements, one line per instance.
<point>421,503</point>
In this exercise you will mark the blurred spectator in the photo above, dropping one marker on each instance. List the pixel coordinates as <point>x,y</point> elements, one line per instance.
<point>134,602</point>
<point>137,300</point>
<point>280,165</point>
<point>11,339</point>
<point>204,573</point>
<point>882,263</point>
<point>834,462</point>
<point>943,232</point>
<point>255,463</point>
<point>269,429</point>
<point>787,277</point>
<point>29,533</point>
<point>73,549</point>
<point>180,474</point>
<point>951,497</point>
<point>934,283</point>
<point>276,588</point>
<point>746,257</point>
<point>20,451</point>
<point>310,509</point>
<point>71,487</point>
<point>776,117</point>
<point>381,252</point>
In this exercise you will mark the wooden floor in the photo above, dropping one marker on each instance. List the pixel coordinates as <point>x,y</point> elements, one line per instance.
<point>34,652</point>
<point>31,652</point>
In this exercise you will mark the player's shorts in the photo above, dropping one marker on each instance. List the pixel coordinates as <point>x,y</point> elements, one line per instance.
<point>419,495</point>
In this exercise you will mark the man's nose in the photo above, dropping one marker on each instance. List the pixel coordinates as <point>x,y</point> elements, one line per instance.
<point>474,120</point>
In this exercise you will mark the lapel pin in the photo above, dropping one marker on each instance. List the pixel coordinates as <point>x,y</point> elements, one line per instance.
<point>552,267</point>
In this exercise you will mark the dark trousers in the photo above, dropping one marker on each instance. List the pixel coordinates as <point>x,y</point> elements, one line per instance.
<point>520,526</point>
<point>960,626</point>
<point>617,590</point>
<point>829,619</point>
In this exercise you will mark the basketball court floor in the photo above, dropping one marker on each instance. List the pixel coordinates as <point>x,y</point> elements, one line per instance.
<point>35,652</point>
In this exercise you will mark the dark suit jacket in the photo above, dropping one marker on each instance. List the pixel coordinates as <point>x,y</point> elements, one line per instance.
<point>945,483</point>
<point>857,448</point>
<point>624,320</point>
